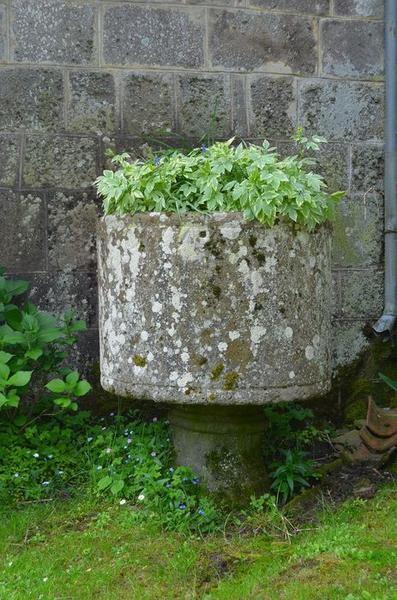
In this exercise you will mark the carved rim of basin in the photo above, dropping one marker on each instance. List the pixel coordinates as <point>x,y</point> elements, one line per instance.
<point>213,309</point>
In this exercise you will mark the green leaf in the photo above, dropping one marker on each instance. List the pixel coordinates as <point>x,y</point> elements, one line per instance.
<point>34,353</point>
<point>82,388</point>
<point>390,382</point>
<point>13,316</point>
<point>5,356</point>
<point>63,402</point>
<point>20,378</point>
<point>104,482</point>
<point>4,371</point>
<point>72,378</point>
<point>117,486</point>
<point>57,386</point>
<point>3,400</point>
<point>17,287</point>
<point>50,335</point>
<point>13,400</point>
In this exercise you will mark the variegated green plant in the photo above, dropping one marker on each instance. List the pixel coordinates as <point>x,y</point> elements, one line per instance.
<point>223,178</point>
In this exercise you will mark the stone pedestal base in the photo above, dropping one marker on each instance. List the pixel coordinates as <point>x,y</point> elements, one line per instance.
<point>223,444</point>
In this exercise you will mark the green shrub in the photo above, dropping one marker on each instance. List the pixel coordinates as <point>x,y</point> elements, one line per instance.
<point>33,347</point>
<point>222,178</point>
<point>293,474</point>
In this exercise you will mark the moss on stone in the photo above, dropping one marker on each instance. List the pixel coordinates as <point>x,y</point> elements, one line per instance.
<point>139,361</point>
<point>217,371</point>
<point>212,398</point>
<point>216,290</point>
<point>239,353</point>
<point>199,360</point>
<point>230,380</point>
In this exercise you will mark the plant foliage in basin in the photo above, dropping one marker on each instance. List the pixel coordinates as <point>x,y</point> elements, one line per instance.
<point>223,177</point>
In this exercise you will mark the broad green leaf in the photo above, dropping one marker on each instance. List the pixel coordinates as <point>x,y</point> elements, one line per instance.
<point>20,378</point>
<point>72,378</point>
<point>34,353</point>
<point>4,371</point>
<point>57,386</point>
<point>49,335</point>
<point>82,388</point>
<point>5,356</point>
<point>117,486</point>
<point>63,402</point>
<point>104,482</point>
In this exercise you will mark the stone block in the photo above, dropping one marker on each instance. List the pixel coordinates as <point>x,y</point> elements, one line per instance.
<point>348,341</point>
<point>85,355</point>
<point>23,236</point>
<point>273,106</point>
<point>310,7</point>
<point>359,8</point>
<point>341,110</point>
<point>57,292</point>
<point>239,108</point>
<point>53,31</point>
<point>31,99</point>
<point>333,165</point>
<point>335,293</point>
<point>92,103</point>
<point>358,232</point>
<point>368,164</point>
<point>204,105</point>
<point>140,35</point>
<point>229,3</point>
<point>361,294</point>
<point>3,32</point>
<point>147,103</point>
<point>9,160</point>
<point>246,41</point>
<point>352,48</point>
<point>72,222</point>
<point>59,161</point>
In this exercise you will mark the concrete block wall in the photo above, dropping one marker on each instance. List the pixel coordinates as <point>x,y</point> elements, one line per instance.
<point>75,74</point>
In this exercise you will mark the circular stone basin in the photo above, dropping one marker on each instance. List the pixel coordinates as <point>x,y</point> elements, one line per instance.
<point>211,312</point>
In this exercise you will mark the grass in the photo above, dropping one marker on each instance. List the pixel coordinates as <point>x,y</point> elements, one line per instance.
<point>82,549</point>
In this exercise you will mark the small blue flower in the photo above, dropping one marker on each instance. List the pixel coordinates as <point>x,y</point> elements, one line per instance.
<point>89,439</point>
<point>204,148</point>
<point>201,512</point>
<point>157,160</point>
<point>172,469</point>
<point>186,479</point>
<point>182,506</point>
<point>168,485</point>
<point>195,481</point>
